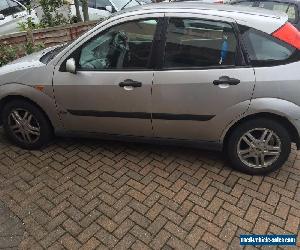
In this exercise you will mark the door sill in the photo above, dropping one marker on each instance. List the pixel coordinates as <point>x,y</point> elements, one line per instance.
<point>209,145</point>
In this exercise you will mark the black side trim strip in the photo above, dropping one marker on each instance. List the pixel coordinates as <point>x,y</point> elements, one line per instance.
<point>141,115</point>
<point>182,117</point>
<point>138,115</point>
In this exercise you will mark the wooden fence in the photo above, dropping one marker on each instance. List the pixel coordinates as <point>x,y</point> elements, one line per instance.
<point>49,36</point>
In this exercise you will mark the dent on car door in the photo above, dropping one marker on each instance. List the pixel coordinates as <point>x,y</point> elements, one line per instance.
<point>111,92</point>
<point>202,85</point>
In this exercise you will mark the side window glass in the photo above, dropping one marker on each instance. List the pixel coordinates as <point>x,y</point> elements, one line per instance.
<point>14,7</point>
<point>125,46</point>
<point>289,9</point>
<point>91,3</point>
<point>291,12</point>
<point>264,49</point>
<point>193,43</point>
<point>102,3</point>
<point>4,8</point>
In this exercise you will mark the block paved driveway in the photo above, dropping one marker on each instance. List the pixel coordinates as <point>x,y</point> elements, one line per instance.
<point>95,194</point>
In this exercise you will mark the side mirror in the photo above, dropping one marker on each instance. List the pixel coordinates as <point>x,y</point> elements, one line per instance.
<point>109,8</point>
<point>71,66</point>
<point>2,17</point>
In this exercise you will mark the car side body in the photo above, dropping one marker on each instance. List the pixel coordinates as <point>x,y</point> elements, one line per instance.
<point>193,106</point>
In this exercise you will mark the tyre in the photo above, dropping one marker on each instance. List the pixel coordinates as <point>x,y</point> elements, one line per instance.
<point>26,125</point>
<point>258,146</point>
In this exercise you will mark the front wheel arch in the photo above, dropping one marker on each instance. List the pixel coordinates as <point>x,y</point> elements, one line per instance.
<point>11,98</point>
<point>280,119</point>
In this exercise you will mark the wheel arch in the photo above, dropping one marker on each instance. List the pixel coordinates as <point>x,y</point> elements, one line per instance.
<point>294,135</point>
<point>10,98</point>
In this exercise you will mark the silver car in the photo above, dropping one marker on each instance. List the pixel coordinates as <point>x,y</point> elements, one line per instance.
<point>212,76</point>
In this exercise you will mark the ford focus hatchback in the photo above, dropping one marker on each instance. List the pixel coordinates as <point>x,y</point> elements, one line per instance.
<point>218,77</point>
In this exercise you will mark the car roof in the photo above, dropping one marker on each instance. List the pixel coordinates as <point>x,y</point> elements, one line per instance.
<point>262,19</point>
<point>297,2</point>
<point>208,6</point>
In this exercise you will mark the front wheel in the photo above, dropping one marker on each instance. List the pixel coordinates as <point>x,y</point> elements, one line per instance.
<point>26,125</point>
<point>259,146</point>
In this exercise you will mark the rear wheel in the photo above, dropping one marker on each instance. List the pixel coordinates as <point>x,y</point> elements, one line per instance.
<point>26,125</point>
<point>259,146</point>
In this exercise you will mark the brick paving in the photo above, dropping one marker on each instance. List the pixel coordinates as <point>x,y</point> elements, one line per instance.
<point>11,228</point>
<point>93,194</point>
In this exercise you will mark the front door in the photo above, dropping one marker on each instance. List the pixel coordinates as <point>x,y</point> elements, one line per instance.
<point>203,84</point>
<point>111,92</point>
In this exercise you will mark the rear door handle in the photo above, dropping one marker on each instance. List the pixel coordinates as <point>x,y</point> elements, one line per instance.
<point>226,80</point>
<point>130,83</point>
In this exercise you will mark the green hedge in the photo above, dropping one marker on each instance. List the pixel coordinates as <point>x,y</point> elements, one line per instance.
<point>10,52</point>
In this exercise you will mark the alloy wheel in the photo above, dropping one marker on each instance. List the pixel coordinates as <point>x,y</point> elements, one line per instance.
<point>259,148</point>
<point>24,126</point>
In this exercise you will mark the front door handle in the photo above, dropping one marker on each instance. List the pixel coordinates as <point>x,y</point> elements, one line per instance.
<point>226,80</point>
<point>130,83</point>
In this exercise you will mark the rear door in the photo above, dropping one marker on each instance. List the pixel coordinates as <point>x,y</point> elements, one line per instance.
<point>203,83</point>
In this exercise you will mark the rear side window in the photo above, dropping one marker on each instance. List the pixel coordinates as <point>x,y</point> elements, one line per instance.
<point>288,8</point>
<point>265,50</point>
<point>193,43</point>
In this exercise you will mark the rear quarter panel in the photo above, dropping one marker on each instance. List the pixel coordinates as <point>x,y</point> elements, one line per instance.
<point>277,90</point>
<point>280,82</point>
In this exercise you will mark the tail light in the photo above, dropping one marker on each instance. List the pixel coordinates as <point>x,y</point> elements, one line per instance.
<point>218,1</point>
<point>289,34</point>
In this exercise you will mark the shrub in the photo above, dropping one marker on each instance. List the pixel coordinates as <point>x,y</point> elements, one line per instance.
<point>8,53</point>
<point>51,16</point>
<point>28,25</point>
<point>30,48</point>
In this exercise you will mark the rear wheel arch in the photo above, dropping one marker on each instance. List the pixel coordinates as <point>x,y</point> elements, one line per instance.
<point>11,98</point>
<point>291,129</point>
